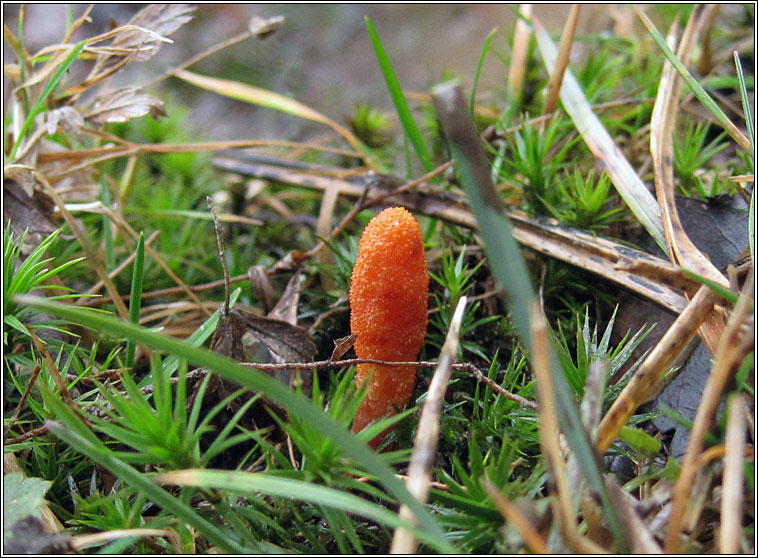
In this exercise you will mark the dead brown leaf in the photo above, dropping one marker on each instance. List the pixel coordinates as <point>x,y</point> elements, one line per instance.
<point>286,342</point>
<point>342,345</point>
<point>286,308</point>
<point>26,207</point>
<point>263,287</point>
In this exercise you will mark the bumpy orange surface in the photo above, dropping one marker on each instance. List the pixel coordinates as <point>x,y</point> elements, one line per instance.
<point>388,310</point>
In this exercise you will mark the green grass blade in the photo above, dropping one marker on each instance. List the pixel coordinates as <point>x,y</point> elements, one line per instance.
<point>485,50</point>
<point>249,377</point>
<point>241,482</point>
<point>42,100</point>
<point>110,254</point>
<point>103,457</point>
<point>751,137</point>
<point>694,85</point>
<point>135,300</point>
<point>745,102</point>
<point>75,433</point>
<point>723,292</point>
<point>398,98</point>
<point>625,179</point>
<point>510,271</point>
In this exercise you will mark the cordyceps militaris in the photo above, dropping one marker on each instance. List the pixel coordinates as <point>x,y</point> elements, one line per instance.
<point>388,311</point>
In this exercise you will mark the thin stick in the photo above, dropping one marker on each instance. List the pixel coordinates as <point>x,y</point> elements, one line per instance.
<point>24,397</point>
<point>427,435</point>
<point>517,69</point>
<point>221,253</point>
<point>200,373</point>
<point>55,373</point>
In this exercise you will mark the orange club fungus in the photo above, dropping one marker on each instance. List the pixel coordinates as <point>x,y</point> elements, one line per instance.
<point>388,311</point>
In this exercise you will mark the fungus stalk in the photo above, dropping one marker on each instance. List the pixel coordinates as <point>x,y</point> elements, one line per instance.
<point>388,311</point>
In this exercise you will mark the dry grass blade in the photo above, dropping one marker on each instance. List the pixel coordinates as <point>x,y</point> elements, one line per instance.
<point>564,52</point>
<point>563,509</point>
<point>734,345</point>
<point>517,68</point>
<point>628,184</point>
<point>733,484</point>
<point>92,256</point>
<point>129,232</point>
<point>428,433</point>
<point>512,514</point>
<point>590,412</point>
<point>701,94</point>
<point>655,365</point>
<point>662,125</point>
<point>646,275</point>
<point>263,97</point>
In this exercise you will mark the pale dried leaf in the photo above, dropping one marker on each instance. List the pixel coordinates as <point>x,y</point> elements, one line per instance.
<point>143,36</point>
<point>124,104</point>
<point>264,27</point>
<point>162,19</point>
<point>12,71</point>
<point>23,175</point>
<point>286,308</point>
<point>69,118</point>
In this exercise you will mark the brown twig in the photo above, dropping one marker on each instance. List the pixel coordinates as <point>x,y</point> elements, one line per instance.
<point>88,250</point>
<point>200,373</point>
